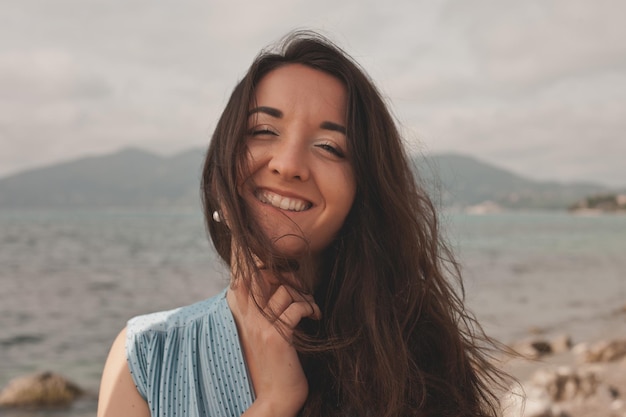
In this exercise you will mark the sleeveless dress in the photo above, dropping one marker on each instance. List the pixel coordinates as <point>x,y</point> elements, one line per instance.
<point>188,362</point>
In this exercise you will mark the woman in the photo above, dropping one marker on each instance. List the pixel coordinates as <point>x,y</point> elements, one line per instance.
<point>340,301</point>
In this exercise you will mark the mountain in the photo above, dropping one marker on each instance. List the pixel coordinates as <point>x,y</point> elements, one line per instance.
<point>462,181</point>
<point>137,178</point>
<point>131,177</point>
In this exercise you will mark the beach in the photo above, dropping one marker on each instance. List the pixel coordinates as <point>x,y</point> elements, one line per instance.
<point>71,280</point>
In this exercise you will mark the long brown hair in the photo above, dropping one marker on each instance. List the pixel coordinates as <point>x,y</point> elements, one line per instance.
<point>395,338</point>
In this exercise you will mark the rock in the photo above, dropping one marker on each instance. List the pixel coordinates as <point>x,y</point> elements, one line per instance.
<point>565,383</point>
<point>593,384</point>
<point>533,348</point>
<point>618,405</point>
<point>580,349</point>
<point>561,343</point>
<point>604,351</point>
<point>44,389</point>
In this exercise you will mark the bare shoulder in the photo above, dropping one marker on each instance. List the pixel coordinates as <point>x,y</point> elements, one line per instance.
<point>118,394</point>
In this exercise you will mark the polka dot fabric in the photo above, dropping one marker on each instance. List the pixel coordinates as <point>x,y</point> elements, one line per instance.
<point>188,362</point>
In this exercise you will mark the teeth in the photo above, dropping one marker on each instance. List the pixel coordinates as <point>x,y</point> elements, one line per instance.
<point>283,203</point>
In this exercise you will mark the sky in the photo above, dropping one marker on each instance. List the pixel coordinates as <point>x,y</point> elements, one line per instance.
<point>535,86</point>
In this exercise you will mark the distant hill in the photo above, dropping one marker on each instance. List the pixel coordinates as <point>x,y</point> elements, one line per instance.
<point>137,178</point>
<point>462,181</point>
<point>131,177</point>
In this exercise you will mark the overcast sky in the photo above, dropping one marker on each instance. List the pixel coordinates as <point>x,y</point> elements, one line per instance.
<point>534,86</point>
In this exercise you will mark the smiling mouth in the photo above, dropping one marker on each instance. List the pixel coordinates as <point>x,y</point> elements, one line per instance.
<point>282,202</point>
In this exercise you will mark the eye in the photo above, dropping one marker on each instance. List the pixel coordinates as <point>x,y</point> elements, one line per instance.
<point>262,131</point>
<point>332,149</point>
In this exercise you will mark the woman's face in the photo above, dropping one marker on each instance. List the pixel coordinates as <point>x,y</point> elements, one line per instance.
<point>301,185</point>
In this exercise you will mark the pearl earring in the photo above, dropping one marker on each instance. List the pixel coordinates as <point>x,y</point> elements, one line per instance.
<point>216,216</point>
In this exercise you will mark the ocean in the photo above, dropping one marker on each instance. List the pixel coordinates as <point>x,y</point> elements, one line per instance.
<point>69,280</point>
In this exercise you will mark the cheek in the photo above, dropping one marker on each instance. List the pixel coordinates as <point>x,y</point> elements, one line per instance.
<point>256,153</point>
<point>342,191</point>
<point>349,189</point>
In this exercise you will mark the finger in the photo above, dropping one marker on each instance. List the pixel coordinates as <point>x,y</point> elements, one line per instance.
<point>287,307</point>
<point>298,296</point>
<point>299,310</point>
<point>283,296</point>
<point>280,300</point>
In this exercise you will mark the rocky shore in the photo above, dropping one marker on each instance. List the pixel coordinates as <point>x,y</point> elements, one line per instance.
<point>559,379</point>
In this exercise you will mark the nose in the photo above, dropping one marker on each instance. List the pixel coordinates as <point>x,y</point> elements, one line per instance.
<point>289,160</point>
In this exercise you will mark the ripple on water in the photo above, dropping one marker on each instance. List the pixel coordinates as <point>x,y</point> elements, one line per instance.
<point>22,339</point>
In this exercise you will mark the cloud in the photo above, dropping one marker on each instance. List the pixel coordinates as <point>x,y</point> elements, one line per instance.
<point>535,86</point>
<point>569,130</point>
<point>537,42</point>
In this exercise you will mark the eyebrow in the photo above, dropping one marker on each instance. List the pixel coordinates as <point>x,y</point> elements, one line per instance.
<point>271,111</point>
<point>333,126</point>
<point>267,110</point>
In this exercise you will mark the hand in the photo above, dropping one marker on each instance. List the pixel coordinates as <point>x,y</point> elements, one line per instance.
<point>279,382</point>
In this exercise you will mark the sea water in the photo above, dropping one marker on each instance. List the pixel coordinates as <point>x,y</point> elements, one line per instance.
<point>69,280</point>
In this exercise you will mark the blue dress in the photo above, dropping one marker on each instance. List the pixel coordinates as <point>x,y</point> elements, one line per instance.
<point>188,362</point>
